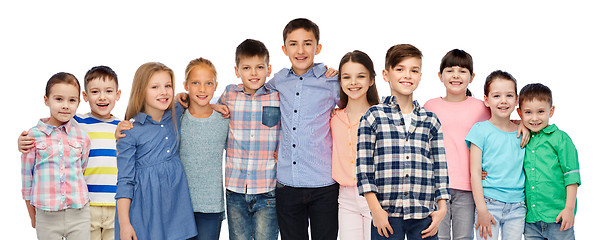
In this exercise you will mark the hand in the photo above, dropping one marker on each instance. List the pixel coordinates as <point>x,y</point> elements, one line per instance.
<point>223,109</point>
<point>123,125</point>
<point>127,232</point>
<point>275,154</point>
<point>483,175</point>
<point>183,99</point>
<point>524,132</point>
<point>381,222</point>
<point>437,217</point>
<point>566,218</point>
<point>25,143</point>
<point>331,72</point>
<point>484,222</point>
<point>333,112</point>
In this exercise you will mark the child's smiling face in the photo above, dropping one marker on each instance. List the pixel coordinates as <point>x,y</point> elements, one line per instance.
<point>456,79</point>
<point>253,71</point>
<point>301,47</point>
<point>158,94</point>
<point>404,77</point>
<point>102,95</point>
<point>200,86</point>
<point>355,80</point>
<point>63,100</point>
<point>502,98</point>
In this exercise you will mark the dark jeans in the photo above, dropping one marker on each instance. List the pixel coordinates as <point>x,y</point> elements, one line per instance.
<point>297,206</point>
<point>405,228</point>
<point>208,225</point>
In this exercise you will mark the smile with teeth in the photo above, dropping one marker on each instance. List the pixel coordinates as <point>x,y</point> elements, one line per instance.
<point>354,88</point>
<point>405,83</point>
<point>456,83</point>
<point>503,108</point>
<point>300,58</point>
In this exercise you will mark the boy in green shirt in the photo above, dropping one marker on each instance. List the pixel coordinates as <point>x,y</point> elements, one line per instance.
<point>551,169</point>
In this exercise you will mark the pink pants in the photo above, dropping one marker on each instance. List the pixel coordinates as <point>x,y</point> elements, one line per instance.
<point>354,219</point>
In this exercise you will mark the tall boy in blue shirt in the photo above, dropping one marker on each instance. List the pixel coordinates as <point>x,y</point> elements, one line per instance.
<point>401,166</point>
<point>305,189</point>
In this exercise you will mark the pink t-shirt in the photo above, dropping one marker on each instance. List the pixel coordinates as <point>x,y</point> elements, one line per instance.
<point>457,119</point>
<point>344,148</point>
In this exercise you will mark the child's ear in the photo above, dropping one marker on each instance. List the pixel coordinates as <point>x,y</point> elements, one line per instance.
<point>485,101</point>
<point>440,77</point>
<point>269,70</point>
<point>283,48</point>
<point>318,49</point>
<point>185,85</point>
<point>472,77</point>
<point>519,112</point>
<point>385,73</point>
<point>552,111</point>
<point>118,94</point>
<point>237,72</point>
<point>45,100</point>
<point>85,96</point>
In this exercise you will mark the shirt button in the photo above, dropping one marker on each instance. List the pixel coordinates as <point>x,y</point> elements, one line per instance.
<point>407,175</point>
<point>407,157</point>
<point>294,128</point>
<point>533,205</point>
<point>168,151</point>
<point>533,187</point>
<point>293,145</point>
<point>297,94</point>
<point>533,169</point>
<point>405,193</point>
<point>295,111</point>
<point>162,125</point>
<point>301,78</point>
<point>533,151</point>
<point>401,123</point>
<point>294,162</point>
<point>166,138</point>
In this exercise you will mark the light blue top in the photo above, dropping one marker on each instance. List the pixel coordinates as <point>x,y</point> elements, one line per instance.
<point>502,160</point>
<point>151,175</point>
<point>202,144</point>
<point>305,147</point>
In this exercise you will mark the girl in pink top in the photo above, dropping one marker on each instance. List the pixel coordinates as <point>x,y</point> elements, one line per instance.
<point>357,93</point>
<point>458,111</point>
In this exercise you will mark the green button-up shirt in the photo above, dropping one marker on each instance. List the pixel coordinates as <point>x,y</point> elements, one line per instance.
<point>551,163</point>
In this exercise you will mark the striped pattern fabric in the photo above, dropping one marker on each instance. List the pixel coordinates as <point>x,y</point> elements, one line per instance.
<point>52,174</point>
<point>406,169</point>
<point>102,172</point>
<point>253,138</point>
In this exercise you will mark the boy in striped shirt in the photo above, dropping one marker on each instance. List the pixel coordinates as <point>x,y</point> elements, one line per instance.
<point>101,91</point>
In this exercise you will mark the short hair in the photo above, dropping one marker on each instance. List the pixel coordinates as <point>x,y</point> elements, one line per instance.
<point>100,72</point>
<point>365,60</point>
<point>397,53</point>
<point>251,48</point>
<point>303,23</point>
<point>62,77</point>
<point>202,63</point>
<point>535,91</point>
<point>498,74</point>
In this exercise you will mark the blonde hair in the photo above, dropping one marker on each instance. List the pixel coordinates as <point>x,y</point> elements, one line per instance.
<point>201,63</point>
<point>136,103</point>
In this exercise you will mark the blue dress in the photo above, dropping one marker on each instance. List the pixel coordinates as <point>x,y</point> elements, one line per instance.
<point>151,175</point>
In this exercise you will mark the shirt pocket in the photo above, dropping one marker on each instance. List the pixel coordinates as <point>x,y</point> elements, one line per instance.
<point>75,148</point>
<point>271,116</point>
<point>43,150</point>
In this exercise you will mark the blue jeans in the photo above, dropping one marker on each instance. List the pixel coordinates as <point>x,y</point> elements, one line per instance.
<point>510,219</point>
<point>410,228</point>
<point>551,231</point>
<point>208,225</point>
<point>252,216</point>
<point>296,207</point>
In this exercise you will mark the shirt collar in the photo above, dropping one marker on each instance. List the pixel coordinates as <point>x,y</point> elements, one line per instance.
<point>391,101</point>
<point>48,129</point>
<point>261,91</point>
<point>142,117</point>
<point>317,70</point>
<point>549,129</point>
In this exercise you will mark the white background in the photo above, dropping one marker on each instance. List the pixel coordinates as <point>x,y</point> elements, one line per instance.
<point>559,45</point>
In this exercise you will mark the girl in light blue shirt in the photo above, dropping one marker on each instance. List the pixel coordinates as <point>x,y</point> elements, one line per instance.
<point>495,148</point>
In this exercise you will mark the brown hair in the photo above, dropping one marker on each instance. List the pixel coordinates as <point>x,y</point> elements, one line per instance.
<point>62,77</point>
<point>535,91</point>
<point>251,48</point>
<point>498,74</point>
<point>201,63</point>
<point>100,72</point>
<point>303,23</point>
<point>397,53</point>
<point>365,60</point>
<point>136,103</point>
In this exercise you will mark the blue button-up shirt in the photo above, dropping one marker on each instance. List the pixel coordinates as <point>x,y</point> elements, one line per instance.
<point>305,148</point>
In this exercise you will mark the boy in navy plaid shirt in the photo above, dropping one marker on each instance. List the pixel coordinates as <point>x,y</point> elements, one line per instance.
<point>401,166</point>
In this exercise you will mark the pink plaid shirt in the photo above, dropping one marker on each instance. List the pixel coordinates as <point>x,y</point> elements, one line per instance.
<point>52,175</point>
<point>253,137</point>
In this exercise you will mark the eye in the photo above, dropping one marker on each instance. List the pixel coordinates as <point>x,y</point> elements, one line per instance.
<point>261,67</point>
<point>509,95</point>
<point>415,71</point>
<point>246,68</point>
<point>168,86</point>
<point>209,83</point>
<point>73,100</point>
<point>109,91</point>
<point>94,91</point>
<point>195,83</point>
<point>59,98</point>
<point>541,111</point>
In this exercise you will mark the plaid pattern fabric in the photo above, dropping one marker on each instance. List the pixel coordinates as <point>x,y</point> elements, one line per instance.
<point>52,174</point>
<point>406,170</point>
<point>253,138</point>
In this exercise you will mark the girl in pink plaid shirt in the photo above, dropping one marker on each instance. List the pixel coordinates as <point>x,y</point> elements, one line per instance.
<point>53,182</point>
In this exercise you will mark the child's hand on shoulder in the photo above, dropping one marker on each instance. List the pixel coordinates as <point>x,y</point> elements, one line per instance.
<point>25,143</point>
<point>183,99</point>
<point>123,125</point>
<point>223,109</point>
<point>331,72</point>
<point>566,218</point>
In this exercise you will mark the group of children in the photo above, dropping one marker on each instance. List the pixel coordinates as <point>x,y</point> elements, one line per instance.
<point>368,169</point>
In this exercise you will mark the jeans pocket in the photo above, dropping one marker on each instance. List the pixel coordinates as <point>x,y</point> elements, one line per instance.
<point>271,116</point>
